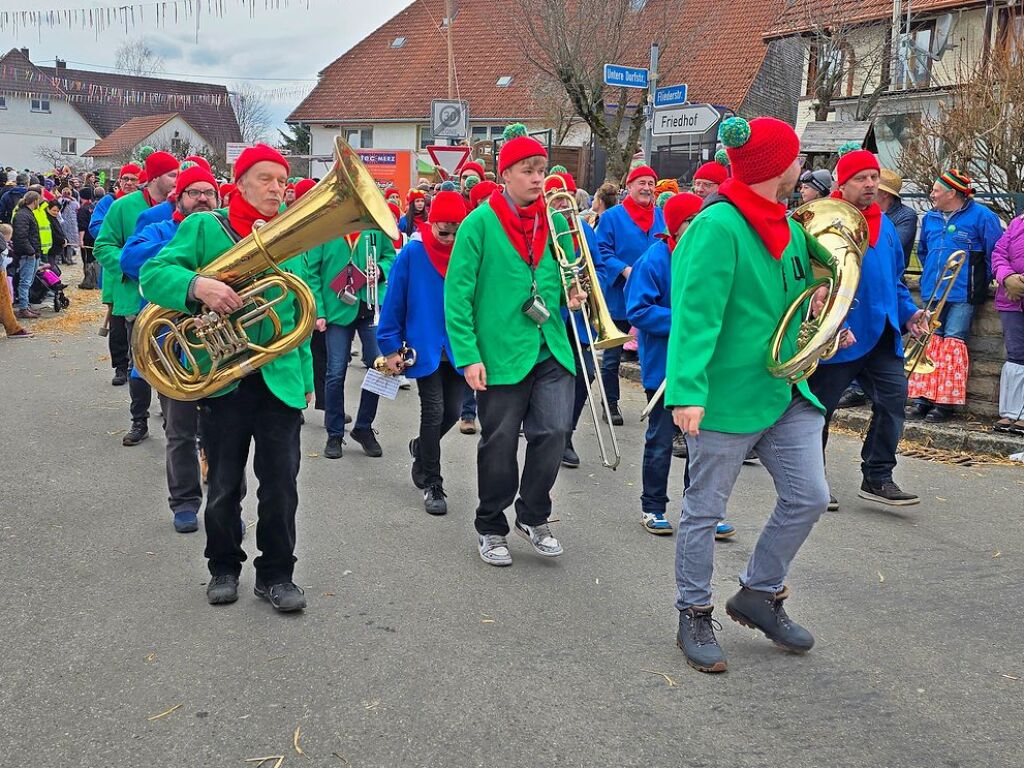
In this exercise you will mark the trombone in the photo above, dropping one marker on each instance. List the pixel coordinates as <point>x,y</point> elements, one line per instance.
<point>581,273</point>
<point>915,356</point>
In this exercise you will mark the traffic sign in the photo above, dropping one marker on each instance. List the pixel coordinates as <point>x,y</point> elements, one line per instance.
<point>449,119</point>
<point>671,96</point>
<point>448,159</point>
<point>625,77</point>
<point>234,149</point>
<point>696,118</point>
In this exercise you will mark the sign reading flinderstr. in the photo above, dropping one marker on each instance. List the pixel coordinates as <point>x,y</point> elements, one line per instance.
<point>671,96</point>
<point>695,118</point>
<point>625,77</point>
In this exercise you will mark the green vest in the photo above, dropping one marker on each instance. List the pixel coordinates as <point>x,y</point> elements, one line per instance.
<point>728,295</point>
<point>165,280</point>
<point>324,262</point>
<point>485,289</point>
<point>118,226</point>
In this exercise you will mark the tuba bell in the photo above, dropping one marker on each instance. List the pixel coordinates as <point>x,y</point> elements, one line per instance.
<point>189,357</point>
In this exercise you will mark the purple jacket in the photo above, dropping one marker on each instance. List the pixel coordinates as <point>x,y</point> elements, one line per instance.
<point>1008,259</point>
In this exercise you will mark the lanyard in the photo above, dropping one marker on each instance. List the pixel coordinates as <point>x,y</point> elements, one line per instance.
<point>532,263</point>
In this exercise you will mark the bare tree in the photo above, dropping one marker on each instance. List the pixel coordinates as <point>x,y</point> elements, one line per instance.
<point>554,107</point>
<point>252,110</point>
<point>135,57</point>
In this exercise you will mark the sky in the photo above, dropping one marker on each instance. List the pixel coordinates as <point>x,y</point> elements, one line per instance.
<point>285,42</point>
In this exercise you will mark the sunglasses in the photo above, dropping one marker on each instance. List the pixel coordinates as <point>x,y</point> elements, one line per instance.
<point>446,233</point>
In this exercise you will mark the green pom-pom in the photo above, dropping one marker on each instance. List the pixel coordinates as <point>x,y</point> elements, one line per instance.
<point>663,198</point>
<point>188,164</point>
<point>145,152</point>
<point>470,181</point>
<point>848,147</point>
<point>722,157</point>
<point>514,131</point>
<point>734,132</point>
<point>558,169</point>
<point>448,186</point>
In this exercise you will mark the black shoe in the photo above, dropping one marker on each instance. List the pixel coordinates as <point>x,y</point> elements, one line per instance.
<point>918,411</point>
<point>679,449</point>
<point>367,439</point>
<point>285,597</point>
<point>434,500</point>
<point>939,414</point>
<point>334,448</point>
<point>887,493</point>
<point>222,589</point>
<point>613,409</point>
<point>120,377</point>
<point>348,419</point>
<point>138,433</point>
<point>851,398</point>
<point>570,458</point>
<point>419,479</point>
<point>833,503</point>
<point>764,611</point>
<point>696,638</point>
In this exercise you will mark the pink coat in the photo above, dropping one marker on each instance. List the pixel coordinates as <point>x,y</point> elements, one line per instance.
<point>1008,259</point>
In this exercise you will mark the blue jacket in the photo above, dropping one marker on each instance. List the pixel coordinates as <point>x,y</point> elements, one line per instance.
<point>413,311</point>
<point>146,243</point>
<point>649,309</point>
<point>881,298</point>
<point>160,212</point>
<point>602,277</point>
<point>10,198</point>
<point>975,229</point>
<point>621,243</point>
<point>99,211</point>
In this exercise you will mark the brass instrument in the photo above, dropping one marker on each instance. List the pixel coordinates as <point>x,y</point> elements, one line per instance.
<point>189,357</point>
<point>581,273</point>
<point>916,358</point>
<point>408,360</point>
<point>372,277</point>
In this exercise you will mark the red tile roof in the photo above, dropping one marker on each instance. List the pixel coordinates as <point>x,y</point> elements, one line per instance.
<point>804,15</point>
<point>129,135</point>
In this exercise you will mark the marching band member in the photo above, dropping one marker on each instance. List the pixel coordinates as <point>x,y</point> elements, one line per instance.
<point>118,225</point>
<point>623,234</point>
<point>501,280</point>
<point>264,408</point>
<point>472,168</point>
<point>745,262</point>
<point>415,214</point>
<point>709,176</point>
<point>881,311</point>
<point>392,195</point>
<point>413,317</point>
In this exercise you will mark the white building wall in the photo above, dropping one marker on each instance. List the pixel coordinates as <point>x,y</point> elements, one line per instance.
<point>177,128</point>
<point>23,131</point>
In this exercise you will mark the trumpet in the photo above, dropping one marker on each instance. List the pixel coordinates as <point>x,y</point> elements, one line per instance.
<point>372,276</point>
<point>579,272</point>
<point>916,358</point>
<point>408,355</point>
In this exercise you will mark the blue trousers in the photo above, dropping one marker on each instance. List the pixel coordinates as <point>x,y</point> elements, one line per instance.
<point>657,459</point>
<point>339,352</point>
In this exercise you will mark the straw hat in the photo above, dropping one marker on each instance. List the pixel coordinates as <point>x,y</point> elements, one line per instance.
<point>891,182</point>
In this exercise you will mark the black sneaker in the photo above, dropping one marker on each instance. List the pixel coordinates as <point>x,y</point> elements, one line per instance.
<point>833,503</point>
<point>335,447</point>
<point>613,409</point>
<point>570,458</point>
<point>222,589</point>
<point>138,433</point>
<point>939,415</point>
<point>433,500</point>
<point>918,411</point>
<point>419,479</point>
<point>120,377</point>
<point>887,493</point>
<point>696,638</point>
<point>368,439</point>
<point>851,398</point>
<point>764,611</point>
<point>285,597</point>
<point>679,449</point>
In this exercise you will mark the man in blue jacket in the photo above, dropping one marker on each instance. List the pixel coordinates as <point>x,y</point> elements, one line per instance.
<point>623,234</point>
<point>955,223</point>
<point>11,197</point>
<point>881,311</point>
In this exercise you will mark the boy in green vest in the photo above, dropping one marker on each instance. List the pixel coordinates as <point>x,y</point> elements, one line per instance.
<point>503,294</point>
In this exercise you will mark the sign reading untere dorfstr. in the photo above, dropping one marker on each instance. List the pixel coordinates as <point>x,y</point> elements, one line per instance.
<point>696,118</point>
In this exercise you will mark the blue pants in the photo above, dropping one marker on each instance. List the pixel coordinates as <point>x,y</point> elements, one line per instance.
<point>468,404</point>
<point>610,359</point>
<point>339,352</point>
<point>657,459</point>
<point>956,321</point>
<point>26,274</point>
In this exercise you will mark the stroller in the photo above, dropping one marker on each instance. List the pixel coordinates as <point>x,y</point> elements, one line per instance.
<point>47,281</point>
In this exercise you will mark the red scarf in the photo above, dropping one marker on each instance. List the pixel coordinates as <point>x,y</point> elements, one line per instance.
<point>177,217</point>
<point>873,214</point>
<point>642,215</point>
<point>439,253</point>
<point>242,215</point>
<point>522,223</point>
<point>670,241</point>
<point>768,219</point>
<point>352,238</point>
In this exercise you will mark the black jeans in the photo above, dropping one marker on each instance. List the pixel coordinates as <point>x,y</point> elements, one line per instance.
<point>138,388</point>
<point>440,407</point>
<point>228,424</point>
<point>117,342</point>
<point>584,375</point>
<point>610,359</point>
<point>318,348</point>
<point>880,373</point>
<point>542,405</point>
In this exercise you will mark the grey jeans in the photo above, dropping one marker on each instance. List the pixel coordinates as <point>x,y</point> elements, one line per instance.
<point>790,450</point>
<point>181,429</point>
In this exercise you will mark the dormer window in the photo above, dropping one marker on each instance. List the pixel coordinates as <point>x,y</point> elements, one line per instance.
<point>504,81</point>
<point>398,42</point>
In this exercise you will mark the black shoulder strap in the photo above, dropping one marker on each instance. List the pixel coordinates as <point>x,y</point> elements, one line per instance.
<point>226,226</point>
<point>713,199</point>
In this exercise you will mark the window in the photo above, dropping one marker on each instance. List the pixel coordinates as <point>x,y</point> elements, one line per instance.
<point>40,103</point>
<point>915,66</point>
<point>3,101</point>
<point>825,68</point>
<point>504,81</point>
<point>398,42</point>
<point>68,146</point>
<point>359,138</point>
<point>423,137</point>
<point>178,145</point>
<point>484,132</point>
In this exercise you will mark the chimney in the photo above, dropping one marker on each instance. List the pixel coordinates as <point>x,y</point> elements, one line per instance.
<point>61,64</point>
<point>24,52</point>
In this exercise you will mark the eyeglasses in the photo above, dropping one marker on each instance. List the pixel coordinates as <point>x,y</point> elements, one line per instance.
<point>195,194</point>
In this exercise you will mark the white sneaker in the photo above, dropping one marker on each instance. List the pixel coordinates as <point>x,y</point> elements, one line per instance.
<point>540,537</point>
<point>494,550</point>
<point>403,382</point>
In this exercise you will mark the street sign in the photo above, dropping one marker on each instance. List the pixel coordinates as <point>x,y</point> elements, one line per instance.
<point>625,77</point>
<point>449,119</point>
<point>448,159</point>
<point>696,118</point>
<point>671,96</point>
<point>234,149</point>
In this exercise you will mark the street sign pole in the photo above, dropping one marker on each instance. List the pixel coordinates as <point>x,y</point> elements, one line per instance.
<point>652,88</point>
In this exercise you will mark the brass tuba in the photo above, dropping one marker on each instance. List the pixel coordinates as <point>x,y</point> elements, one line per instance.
<point>171,348</point>
<point>915,357</point>
<point>837,237</point>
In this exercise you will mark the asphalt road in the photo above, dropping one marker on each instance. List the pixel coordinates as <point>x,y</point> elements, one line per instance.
<point>415,653</point>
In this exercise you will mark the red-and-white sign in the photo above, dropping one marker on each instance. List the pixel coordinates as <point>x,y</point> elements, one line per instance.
<point>448,159</point>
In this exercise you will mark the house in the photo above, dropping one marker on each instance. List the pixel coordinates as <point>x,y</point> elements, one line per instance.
<point>378,93</point>
<point>858,66</point>
<point>171,131</point>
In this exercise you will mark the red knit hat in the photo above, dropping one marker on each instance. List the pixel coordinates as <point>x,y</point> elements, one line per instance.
<point>759,150</point>
<point>129,168</point>
<point>852,163</point>
<point>679,208</point>
<point>143,178</point>
<point>258,154</point>
<point>553,184</point>
<point>639,172</point>
<point>447,207</point>
<point>159,163</point>
<point>713,171</point>
<point>392,191</point>
<point>303,186</point>
<point>395,211</point>
<point>198,160</point>
<point>415,194</point>
<point>473,166</point>
<point>517,147</point>
<point>226,189</point>
<point>482,191</point>
<point>191,175</point>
